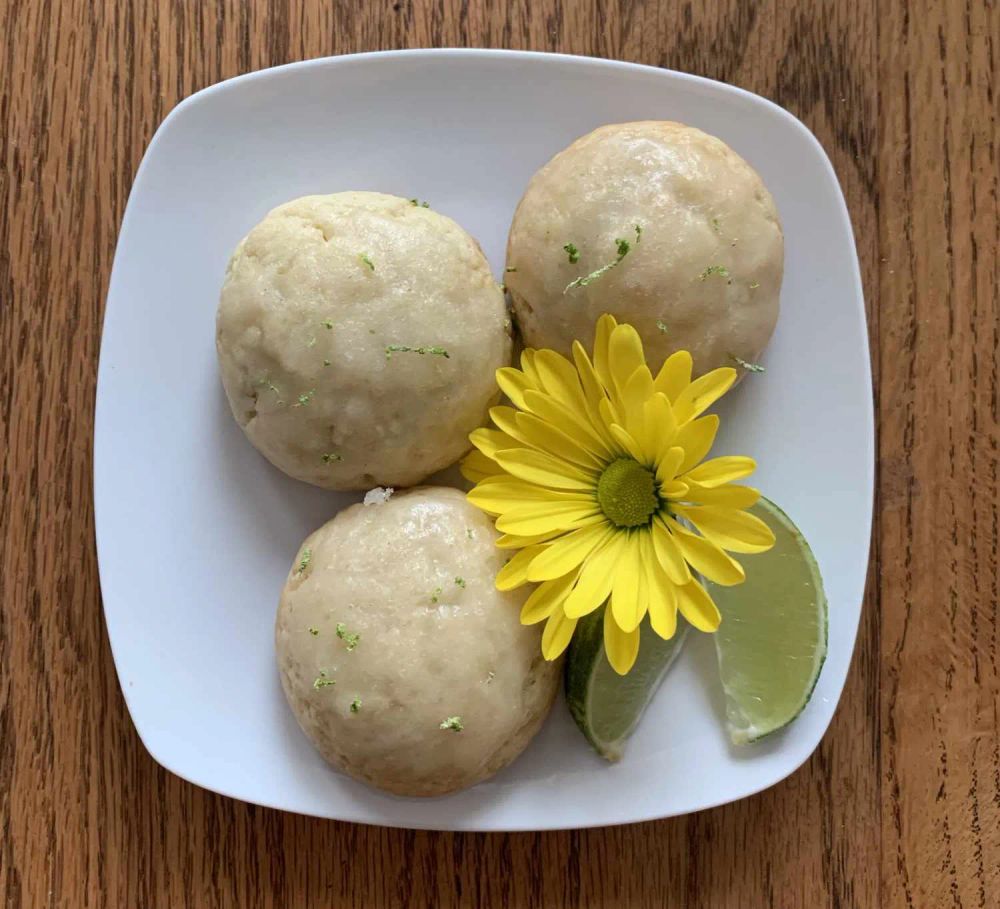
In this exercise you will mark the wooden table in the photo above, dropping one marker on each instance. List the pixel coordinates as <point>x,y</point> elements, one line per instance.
<point>899,806</point>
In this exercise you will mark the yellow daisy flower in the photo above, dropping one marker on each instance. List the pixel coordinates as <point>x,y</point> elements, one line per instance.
<point>597,477</point>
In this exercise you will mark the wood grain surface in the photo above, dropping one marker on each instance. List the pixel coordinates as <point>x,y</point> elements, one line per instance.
<point>899,806</point>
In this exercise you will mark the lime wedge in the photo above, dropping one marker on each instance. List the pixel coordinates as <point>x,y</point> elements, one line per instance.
<point>605,705</point>
<point>772,641</point>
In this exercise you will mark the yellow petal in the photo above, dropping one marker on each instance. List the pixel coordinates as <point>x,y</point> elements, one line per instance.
<point>560,379</point>
<point>606,324</point>
<point>510,485</point>
<point>532,518</point>
<point>514,384</point>
<point>721,470</point>
<point>625,591</point>
<point>518,541</point>
<point>675,374</point>
<point>666,468</point>
<point>590,382</point>
<point>610,413</point>
<point>546,598</point>
<point>621,647</point>
<point>505,419</point>
<point>729,528</point>
<point>624,355</point>
<point>661,427</point>
<point>637,391</point>
<point>556,636</point>
<point>642,577</point>
<point>545,437</point>
<point>674,490</point>
<point>504,493</point>
<point>528,368</point>
<point>575,425</point>
<point>593,586</point>
<point>628,444</point>
<point>593,390</point>
<point>545,470</point>
<point>728,496</point>
<point>662,602</point>
<point>515,572</point>
<point>696,438</point>
<point>703,392</point>
<point>668,553</point>
<point>475,467</point>
<point>541,517</point>
<point>568,552</point>
<point>705,557</point>
<point>490,441</point>
<point>698,607</point>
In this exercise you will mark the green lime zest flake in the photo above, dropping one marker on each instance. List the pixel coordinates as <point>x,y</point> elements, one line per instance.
<point>414,202</point>
<point>356,705</point>
<point>307,555</point>
<point>660,324</point>
<point>268,384</point>
<point>510,269</point>
<point>459,582</point>
<point>332,457</point>
<point>436,595</point>
<point>405,348</point>
<point>327,323</point>
<point>719,270</point>
<point>350,640</point>
<point>749,367</point>
<point>623,247</point>
<point>716,225</point>
<point>311,342</point>
<point>304,399</point>
<point>322,681</point>
<point>454,723</point>
<point>754,285</point>
<point>313,631</point>
<point>572,252</point>
<point>366,259</point>
<point>470,533</point>
<point>326,362</point>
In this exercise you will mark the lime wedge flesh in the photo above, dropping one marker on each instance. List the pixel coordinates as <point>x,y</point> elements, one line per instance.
<point>772,641</point>
<point>607,706</point>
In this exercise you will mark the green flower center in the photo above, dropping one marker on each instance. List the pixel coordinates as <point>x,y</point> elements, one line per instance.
<point>626,493</point>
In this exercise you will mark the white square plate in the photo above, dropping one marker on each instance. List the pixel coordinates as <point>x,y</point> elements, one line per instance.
<point>195,531</point>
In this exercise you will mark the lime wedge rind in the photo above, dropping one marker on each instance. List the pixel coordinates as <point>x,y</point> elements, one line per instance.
<point>772,643</point>
<point>606,706</point>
